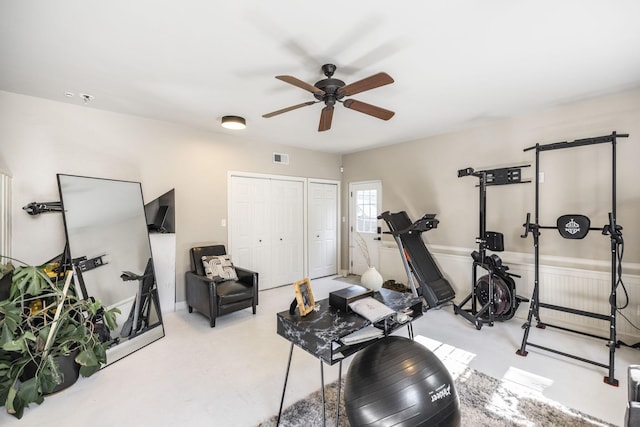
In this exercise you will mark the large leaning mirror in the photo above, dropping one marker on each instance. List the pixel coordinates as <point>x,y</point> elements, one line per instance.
<point>108,240</point>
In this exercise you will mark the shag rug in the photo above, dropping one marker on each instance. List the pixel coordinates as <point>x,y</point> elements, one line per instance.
<point>484,401</point>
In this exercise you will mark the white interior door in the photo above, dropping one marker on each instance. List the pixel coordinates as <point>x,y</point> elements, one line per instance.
<point>323,229</point>
<point>365,203</point>
<point>287,227</point>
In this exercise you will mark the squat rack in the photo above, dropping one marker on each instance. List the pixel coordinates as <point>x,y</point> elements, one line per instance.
<point>615,234</point>
<point>499,300</point>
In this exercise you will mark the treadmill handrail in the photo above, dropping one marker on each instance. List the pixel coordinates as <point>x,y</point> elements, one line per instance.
<point>426,223</point>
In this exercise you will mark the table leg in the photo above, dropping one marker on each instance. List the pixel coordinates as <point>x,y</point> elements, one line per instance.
<point>284,388</point>
<point>324,418</point>
<point>339,384</point>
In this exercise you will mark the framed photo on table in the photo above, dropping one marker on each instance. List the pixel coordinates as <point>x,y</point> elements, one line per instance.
<point>304,296</point>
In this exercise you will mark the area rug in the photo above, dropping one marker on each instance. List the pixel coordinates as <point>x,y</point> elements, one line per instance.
<point>484,401</point>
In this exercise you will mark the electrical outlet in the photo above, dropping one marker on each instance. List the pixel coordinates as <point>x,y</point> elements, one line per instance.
<point>223,222</point>
<point>540,177</point>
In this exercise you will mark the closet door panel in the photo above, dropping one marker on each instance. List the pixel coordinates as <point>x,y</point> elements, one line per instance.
<point>287,233</point>
<point>250,230</point>
<point>240,229</point>
<point>261,232</point>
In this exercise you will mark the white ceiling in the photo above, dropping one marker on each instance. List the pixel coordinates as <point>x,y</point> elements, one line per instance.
<point>455,63</point>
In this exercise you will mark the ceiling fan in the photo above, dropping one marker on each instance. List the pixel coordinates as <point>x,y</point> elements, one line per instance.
<point>332,90</point>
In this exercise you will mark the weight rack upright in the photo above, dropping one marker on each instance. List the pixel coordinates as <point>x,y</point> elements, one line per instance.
<point>615,233</point>
<point>492,264</point>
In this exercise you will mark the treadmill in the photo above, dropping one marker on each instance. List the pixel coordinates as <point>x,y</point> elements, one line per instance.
<point>417,261</point>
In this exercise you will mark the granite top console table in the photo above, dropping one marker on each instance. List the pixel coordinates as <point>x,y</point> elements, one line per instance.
<point>320,332</point>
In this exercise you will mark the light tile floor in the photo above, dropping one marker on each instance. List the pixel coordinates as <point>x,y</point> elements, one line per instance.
<point>232,375</point>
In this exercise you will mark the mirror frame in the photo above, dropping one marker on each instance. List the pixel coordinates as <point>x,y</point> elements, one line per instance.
<point>135,340</point>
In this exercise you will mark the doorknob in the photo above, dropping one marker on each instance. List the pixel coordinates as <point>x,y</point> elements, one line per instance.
<point>377,238</point>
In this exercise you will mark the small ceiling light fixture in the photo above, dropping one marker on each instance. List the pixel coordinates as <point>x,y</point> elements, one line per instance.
<point>234,122</point>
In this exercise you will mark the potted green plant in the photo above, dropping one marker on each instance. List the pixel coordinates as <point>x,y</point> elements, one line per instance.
<point>43,322</point>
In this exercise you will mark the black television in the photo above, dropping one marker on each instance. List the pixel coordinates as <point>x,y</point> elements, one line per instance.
<point>158,223</point>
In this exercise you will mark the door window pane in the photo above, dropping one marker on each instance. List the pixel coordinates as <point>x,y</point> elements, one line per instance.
<point>366,210</point>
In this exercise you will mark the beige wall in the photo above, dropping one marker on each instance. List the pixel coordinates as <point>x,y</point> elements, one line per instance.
<point>421,177</point>
<point>40,138</point>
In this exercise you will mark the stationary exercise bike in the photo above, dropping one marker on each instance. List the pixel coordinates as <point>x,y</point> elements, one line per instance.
<point>495,291</point>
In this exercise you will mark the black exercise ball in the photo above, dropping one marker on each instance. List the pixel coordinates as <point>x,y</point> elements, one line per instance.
<point>399,382</point>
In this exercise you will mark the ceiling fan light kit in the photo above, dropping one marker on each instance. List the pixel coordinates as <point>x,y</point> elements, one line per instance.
<point>331,90</point>
<point>233,122</point>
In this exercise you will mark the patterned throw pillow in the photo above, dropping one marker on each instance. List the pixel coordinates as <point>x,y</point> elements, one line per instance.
<point>219,268</point>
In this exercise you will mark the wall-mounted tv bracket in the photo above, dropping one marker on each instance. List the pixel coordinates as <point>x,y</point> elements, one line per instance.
<point>576,226</point>
<point>80,264</point>
<point>86,264</point>
<point>64,264</point>
<point>494,292</point>
<point>36,208</point>
<point>77,265</point>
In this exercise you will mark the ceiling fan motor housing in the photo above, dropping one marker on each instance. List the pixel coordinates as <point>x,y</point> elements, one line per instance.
<point>330,87</point>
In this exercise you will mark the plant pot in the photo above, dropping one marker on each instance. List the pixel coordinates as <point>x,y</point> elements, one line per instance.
<point>371,279</point>
<point>68,367</point>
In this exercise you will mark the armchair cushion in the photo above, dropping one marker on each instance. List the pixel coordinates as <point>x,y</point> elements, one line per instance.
<point>219,268</point>
<point>198,252</point>
<point>632,413</point>
<point>633,376</point>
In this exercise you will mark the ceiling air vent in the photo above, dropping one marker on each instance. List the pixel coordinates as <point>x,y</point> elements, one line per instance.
<point>281,158</point>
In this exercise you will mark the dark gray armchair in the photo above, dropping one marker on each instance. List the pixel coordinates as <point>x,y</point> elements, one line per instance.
<point>212,298</point>
<point>632,414</point>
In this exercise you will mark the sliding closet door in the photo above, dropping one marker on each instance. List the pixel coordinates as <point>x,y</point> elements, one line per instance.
<point>323,229</point>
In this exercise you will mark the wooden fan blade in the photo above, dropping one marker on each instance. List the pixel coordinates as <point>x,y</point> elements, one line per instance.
<point>325,119</point>
<point>369,109</point>
<point>368,83</point>
<point>302,85</point>
<point>284,110</point>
